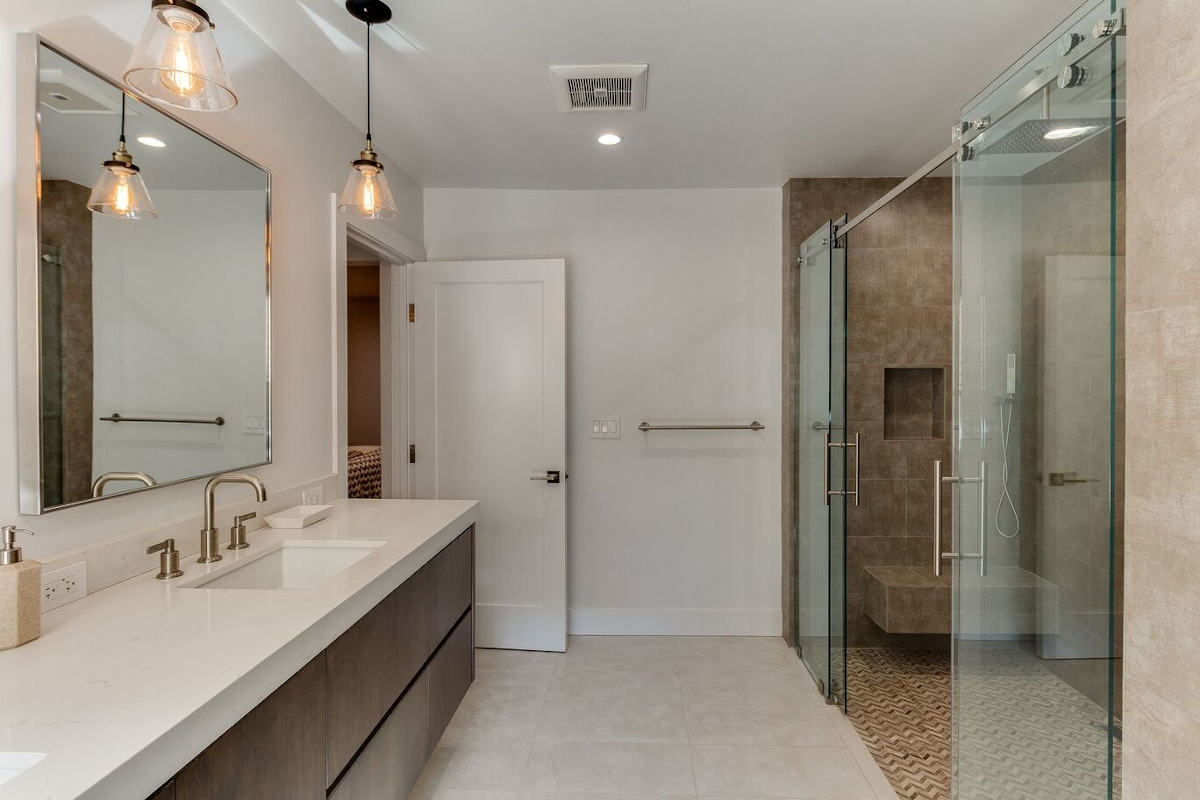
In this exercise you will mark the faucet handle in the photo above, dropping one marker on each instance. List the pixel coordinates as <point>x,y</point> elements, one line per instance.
<point>168,559</point>
<point>237,534</point>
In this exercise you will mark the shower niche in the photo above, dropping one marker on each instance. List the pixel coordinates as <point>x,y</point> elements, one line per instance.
<point>914,403</point>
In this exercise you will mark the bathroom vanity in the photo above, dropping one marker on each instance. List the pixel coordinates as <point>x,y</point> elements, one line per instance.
<point>173,691</point>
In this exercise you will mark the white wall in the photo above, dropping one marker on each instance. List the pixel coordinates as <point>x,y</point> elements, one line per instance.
<point>283,124</point>
<point>178,320</point>
<point>673,313</point>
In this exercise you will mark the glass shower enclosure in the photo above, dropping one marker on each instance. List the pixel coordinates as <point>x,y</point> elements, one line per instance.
<point>822,454</point>
<point>1038,421</point>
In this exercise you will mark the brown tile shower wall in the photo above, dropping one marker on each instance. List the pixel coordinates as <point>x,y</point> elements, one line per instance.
<point>899,316</point>
<point>66,223</point>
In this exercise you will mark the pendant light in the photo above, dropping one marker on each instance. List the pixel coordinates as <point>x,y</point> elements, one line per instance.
<point>367,194</point>
<point>176,61</point>
<point>120,191</point>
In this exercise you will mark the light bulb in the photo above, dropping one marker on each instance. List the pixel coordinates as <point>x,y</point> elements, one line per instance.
<point>121,200</point>
<point>367,201</point>
<point>180,55</point>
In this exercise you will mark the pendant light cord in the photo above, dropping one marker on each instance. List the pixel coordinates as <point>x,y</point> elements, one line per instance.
<point>368,81</point>
<point>122,139</point>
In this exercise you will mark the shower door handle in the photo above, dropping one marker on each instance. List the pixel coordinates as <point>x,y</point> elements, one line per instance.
<point>857,446</point>
<point>938,480</point>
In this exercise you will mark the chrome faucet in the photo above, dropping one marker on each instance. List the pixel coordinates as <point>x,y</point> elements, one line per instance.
<point>108,477</point>
<point>208,536</point>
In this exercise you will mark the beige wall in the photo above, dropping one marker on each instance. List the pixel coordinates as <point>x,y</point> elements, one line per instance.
<point>1162,579</point>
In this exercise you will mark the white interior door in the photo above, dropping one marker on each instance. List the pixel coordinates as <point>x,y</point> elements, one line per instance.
<point>489,424</point>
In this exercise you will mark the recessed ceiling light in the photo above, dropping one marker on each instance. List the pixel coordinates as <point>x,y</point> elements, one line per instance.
<point>609,139</point>
<point>150,141</point>
<point>1069,132</point>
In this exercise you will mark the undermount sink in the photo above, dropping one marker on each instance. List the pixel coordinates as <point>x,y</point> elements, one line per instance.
<point>300,564</point>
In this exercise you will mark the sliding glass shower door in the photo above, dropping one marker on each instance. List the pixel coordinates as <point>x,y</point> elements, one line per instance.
<point>821,460</point>
<point>1039,422</point>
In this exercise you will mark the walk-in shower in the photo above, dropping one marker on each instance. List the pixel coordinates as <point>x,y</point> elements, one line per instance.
<point>1030,448</point>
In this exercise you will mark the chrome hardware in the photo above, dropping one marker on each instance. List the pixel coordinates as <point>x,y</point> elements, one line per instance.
<point>208,536</point>
<point>857,472</point>
<point>754,425</point>
<point>237,534</point>
<point>168,559</point>
<point>938,555</point>
<point>1069,42</point>
<point>109,477</point>
<point>825,426</point>
<point>11,554</point>
<point>1113,25</point>
<point>549,476</point>
<point>115,417</point>
<point>1072,76</point>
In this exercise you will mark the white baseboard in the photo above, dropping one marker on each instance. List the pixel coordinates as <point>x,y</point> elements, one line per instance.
<point>675,621</point>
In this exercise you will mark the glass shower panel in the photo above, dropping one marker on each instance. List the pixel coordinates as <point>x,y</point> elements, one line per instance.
<point>1038,285</point>
<point>820,469</point>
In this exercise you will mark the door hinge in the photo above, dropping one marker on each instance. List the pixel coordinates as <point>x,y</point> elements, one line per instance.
<point>412,312</point>
<point>412,454</point>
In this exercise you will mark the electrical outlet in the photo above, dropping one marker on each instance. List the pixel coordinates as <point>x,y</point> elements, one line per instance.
<point>65,585</point>
<point>314,496</point>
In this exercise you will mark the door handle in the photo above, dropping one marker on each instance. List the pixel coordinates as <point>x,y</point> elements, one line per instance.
<point>938,480</point>
<point>856,445</point>
<point>549,476</point>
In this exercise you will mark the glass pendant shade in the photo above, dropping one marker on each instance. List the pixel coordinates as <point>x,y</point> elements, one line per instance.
<point>367,194</point>
<point>176,61</point>
<point>121,192</point>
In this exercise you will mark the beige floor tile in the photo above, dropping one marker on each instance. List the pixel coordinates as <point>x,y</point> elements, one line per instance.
<point>477,766</point>
<point>590,654</point>
<point>615,686</point>
<point>778,725</point>
<point>599,721</point>
<point>734,654</point>
<point>778,688</point>
<point>609,768</point>
<point>515,659</point>
<point>510,684</point>
<point>821,773</point>
<point>481,718</point>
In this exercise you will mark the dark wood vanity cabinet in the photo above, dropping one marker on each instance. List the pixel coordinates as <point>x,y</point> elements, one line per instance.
<point>360,720</point>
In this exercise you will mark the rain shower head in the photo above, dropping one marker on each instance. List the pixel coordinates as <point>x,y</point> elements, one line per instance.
<point>1046,135</point>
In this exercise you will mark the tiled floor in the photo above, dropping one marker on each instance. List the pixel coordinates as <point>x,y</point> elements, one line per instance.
<point>646,717</point>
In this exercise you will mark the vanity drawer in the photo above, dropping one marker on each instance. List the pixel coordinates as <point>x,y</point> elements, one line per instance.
<point>390,764</point>
<point>276,750</point>
<point>369,666</point>
<point>451,578</point>
<point>450,674</point>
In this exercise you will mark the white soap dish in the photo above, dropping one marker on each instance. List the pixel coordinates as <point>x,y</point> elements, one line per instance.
<point>298,517</point>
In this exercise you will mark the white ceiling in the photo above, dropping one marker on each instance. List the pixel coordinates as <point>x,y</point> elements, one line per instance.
<point>741,92</point>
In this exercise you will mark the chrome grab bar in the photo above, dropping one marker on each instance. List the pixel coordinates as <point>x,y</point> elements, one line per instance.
<point>754,425</point>
<point>857,445</point>
<point>938,555</point>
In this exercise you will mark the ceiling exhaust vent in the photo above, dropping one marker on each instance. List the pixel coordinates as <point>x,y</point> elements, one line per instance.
<point>600,87</point>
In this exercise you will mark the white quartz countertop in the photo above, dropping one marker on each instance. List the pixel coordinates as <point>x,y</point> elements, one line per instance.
<point>127,685</point>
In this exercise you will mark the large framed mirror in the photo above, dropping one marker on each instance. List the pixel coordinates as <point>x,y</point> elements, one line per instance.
<point>143,308</point>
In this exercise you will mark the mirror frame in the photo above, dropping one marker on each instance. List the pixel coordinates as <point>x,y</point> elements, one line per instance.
<point>28,233</point>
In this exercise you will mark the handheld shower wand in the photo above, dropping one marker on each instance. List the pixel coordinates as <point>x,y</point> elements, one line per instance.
<point>1006,404</point>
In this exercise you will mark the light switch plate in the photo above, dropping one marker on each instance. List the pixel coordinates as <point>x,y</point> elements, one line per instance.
<point>605,426</point>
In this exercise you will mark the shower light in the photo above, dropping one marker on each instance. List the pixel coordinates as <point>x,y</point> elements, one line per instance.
<point>120,191</point>
<point>367,193</point>
<point>609,139</point>
<point>1069,132</point>
<point>176,61</point>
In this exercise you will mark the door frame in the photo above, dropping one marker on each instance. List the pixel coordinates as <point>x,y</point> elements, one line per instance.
<point>395,253</point>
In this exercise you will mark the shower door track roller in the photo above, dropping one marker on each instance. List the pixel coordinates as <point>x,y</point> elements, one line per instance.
<point>856,492</point>
<point>938,556</point>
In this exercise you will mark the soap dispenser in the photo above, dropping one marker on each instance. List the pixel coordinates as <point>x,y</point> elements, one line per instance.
<point>20,593</point>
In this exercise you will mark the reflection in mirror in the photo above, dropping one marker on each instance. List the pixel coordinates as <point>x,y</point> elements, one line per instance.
<point>153,332</point>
